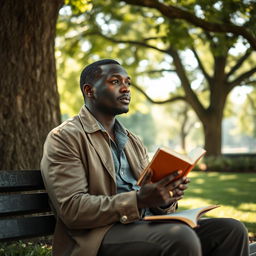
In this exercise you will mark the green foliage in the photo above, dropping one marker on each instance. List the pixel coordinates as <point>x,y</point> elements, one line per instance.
<point>71,98</point>
<point>142,40</point>
<point>249,107</point>
<point>25,249</point>
<point>79,6</point>
<point>231,164</point>
<point>109,21</point>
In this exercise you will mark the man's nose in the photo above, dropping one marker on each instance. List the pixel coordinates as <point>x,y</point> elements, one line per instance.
<point>125,87</point>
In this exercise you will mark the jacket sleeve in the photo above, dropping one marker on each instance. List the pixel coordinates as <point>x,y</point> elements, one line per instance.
<point>160,210</point>
<point>66,180</point>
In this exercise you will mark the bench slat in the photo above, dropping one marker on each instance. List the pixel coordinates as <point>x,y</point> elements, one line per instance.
<point>14,204</point>
<point>26,227</point>
<point>20,180</point>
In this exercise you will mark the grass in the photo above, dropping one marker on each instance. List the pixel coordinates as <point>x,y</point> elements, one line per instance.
<point>25,249</point>
<point>235,192</point>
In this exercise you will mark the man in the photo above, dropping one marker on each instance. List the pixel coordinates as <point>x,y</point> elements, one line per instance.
<point>90,166</point>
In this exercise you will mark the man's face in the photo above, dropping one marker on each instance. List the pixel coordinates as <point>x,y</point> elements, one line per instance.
<point>111,90</point>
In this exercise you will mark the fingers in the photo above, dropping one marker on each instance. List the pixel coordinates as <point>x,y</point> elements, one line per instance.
<point>176,184</point>
<point>157,194</point>
<point>165,181</point>
<point>182,186</point>
<point>186,180</point>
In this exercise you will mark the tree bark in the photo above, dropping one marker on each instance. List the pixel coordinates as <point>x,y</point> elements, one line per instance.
<point>212,135</point>
<point>28,93</point>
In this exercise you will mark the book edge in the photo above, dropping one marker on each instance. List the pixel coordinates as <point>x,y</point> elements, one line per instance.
<point>192,223</point>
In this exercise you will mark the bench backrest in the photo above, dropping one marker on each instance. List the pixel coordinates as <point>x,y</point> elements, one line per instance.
<point>24,206</point>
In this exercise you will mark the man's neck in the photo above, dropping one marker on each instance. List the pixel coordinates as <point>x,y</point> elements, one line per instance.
<point>107,121</point>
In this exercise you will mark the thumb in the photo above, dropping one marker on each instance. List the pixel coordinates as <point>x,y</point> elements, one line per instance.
<point>147,178</point>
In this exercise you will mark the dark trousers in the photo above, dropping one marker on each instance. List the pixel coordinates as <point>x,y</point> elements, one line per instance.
<point>218,237</point>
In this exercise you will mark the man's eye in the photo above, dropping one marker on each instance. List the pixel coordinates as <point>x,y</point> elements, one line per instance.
<point>115,82</point>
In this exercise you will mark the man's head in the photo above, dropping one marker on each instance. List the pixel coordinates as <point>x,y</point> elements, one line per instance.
<point>89,73</point>
<point>105,86</point>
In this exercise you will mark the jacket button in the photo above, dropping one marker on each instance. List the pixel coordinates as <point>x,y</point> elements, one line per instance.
<point>123,219</point>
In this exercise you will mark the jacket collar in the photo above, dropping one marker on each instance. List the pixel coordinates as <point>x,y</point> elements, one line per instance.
<point>89,122</point>
<point>91,125</point>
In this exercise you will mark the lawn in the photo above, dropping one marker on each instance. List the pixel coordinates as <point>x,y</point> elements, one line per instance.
<point>235,192</point>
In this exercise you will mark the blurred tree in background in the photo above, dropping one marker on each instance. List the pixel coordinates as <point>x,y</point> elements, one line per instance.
<point>153,39</point>
<point>248,115</point>
<point>143,124</point>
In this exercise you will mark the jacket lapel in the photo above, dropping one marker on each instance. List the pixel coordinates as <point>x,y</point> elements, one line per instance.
<point>102,148</point>
<point>98,140</point>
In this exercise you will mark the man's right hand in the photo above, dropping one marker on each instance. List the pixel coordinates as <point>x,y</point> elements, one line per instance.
<point>158,194</point>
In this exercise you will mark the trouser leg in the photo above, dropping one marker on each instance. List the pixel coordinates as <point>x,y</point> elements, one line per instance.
<point>223,237</point>
<point>154,239</point>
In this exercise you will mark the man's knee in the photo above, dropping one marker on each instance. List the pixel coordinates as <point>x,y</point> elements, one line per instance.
<point>184,242</point>
<point>233,225</point>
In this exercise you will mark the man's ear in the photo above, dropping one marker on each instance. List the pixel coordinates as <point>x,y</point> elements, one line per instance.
<point>88,91</point>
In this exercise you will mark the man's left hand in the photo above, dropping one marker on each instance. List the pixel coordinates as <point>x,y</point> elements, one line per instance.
<point>179,191</point>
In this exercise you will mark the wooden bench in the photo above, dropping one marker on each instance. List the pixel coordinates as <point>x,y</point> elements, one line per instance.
<point>24,207</point>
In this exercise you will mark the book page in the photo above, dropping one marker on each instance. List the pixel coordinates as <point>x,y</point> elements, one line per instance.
<point>194,214</point>
<point>188,216</point>
<point>196,154</point>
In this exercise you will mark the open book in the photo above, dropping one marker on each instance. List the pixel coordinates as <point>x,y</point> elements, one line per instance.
<point>189,217</point>
<point>165,161</point>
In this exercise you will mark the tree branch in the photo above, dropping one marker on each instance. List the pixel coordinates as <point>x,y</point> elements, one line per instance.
<point>133,42</point>
<point>241,78</point>
<point>156,71</point>
<point>173,12</point>
<point>200,64</point>
<point>239,63</point>
<point>252,82</point>
<point>190,94</point>
<point>175,98</point>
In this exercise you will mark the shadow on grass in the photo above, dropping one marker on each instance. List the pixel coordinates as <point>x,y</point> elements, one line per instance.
<point>224,188</point>
<point>232,190</point>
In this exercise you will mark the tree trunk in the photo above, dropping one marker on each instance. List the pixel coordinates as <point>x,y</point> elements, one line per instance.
<point>213,132</point>
<point>213,139</point>
<point>183,130</point>
<point>28,92</point>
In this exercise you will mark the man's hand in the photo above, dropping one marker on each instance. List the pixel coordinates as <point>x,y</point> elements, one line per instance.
<point>182,187</point>
<point>158,194</point>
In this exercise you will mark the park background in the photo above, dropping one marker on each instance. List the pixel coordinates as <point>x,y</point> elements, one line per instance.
<point>193,73</point>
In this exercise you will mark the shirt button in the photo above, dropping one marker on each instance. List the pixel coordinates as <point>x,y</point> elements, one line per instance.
<point>124,219</point>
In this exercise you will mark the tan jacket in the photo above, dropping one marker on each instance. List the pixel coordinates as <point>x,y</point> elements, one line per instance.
<point>79,175</point>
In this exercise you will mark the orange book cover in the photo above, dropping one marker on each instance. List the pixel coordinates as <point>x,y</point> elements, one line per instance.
<point>165,161</point>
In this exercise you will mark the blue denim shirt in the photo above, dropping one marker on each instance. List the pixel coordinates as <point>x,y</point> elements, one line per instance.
<point>124,178</point>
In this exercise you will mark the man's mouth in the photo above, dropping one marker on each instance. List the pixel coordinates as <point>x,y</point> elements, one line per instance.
<point>125,99</point>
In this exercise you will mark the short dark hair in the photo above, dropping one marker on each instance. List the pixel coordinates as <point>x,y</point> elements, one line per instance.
<point>87,75</point>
